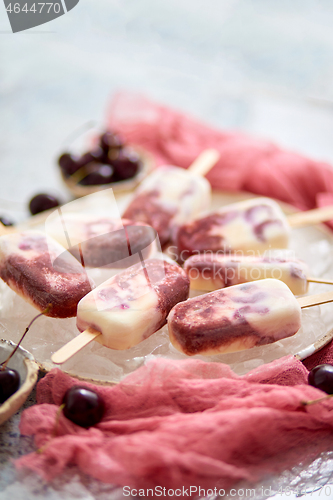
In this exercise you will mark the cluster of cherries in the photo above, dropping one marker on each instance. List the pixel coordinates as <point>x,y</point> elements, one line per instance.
<point>110,161</point>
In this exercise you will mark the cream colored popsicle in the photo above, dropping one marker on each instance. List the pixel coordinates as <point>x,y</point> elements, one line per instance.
<point>41,271</point>
<point>103,241</point>
<point>210,272</point>
<point>129,307</point>
<point>253,225</point>
<point>171,196</point>
<point>236,318</point>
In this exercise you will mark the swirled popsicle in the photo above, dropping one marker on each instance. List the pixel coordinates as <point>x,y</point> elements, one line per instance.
<point>129,307</point>
<point>103,241</point>
<point>252,225</point>
<point>236,318</point>
<point>40,270</point>
<point>213,271</point>
<point>170,196</point>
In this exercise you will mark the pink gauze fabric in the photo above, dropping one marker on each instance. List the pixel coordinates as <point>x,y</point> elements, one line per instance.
<point>187,423</point>
<point>246,164</point>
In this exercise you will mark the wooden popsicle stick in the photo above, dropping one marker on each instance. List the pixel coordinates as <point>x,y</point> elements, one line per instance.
<point>74,346</point>
<point>6,229</point>
<point>310,217</point>
<point>315,300</point>
<point>205,162</point>
<point>317,280</point>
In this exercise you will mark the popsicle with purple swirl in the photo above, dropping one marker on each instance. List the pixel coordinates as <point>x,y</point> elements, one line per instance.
<point>171,196</point>
<point>40,270</point>
<point>253,225</point>
<point>103,241</point>
<point>129,307</point>
<point>212,271</point>
<point>234,319</point>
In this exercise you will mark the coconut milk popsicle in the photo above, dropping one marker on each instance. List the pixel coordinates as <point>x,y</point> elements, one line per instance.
<point>171,196</point>
<point>40,270</point>
<point>214,271</point>
<point>235,318</point>
<point>134,304</point>
<point>103,241</point>
<point>253,225</point>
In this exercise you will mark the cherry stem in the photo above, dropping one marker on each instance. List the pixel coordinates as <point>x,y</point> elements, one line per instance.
<point>46,310</point>
<point>315,401</point>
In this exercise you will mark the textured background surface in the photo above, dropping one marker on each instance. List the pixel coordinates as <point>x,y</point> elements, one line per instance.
<point>264,66</point>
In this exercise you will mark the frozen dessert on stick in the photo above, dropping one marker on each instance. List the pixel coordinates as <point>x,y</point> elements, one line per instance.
<point>103,241</point>
<point>40,270</point>
<point>238,318</point>
<point>171,196</point>
<point>129,307</point>
<point>6,229</point>
<point>212,271</point>
<point>254,225</point>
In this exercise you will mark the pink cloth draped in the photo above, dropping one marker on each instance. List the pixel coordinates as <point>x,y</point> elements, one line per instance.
<point>178,424</point>
<point>247,163</point>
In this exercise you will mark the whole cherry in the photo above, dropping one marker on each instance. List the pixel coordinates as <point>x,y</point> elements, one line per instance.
<point>42,202</point>
<point>126,165</point>
<point>83,406</point>
<point>68,163</point>
<point>321,377</point>
<point>9,383</point>
<point>111,140</point>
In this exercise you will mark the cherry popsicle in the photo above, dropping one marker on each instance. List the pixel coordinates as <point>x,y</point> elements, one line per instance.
<point>128,308</point>
<point>212,271</point>
<point>239,317</point>
<point>40,270</point>
<point>98,241</point>
<point>171,195</point>
<point>253,225</point>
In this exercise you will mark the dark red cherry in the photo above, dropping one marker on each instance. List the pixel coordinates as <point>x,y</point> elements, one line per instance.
<point>126,165</point>
<point>42,202</point>
<point>110,140</point>
<point>68,164</point>
<point>83,406</point>
<point>96,155</point>
<point>321,377</point>
<point>9,383</point>
<point>102,174</point>
<point>6,222</point>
